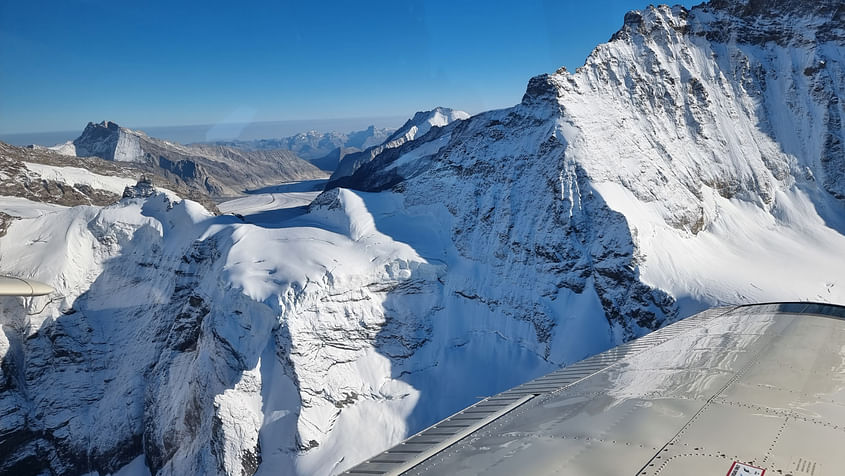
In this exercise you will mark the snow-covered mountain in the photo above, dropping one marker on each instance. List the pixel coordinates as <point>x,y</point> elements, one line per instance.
<point>43,175</point>
<point>417,126</point>
<point>695,159</point>
<point>323,149</point>
<point>685,128</point>
<point>214,169</point>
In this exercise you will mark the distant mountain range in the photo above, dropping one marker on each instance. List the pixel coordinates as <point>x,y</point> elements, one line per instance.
<point>216,170</point>
<point>323,149</point>
<point>197,171</point>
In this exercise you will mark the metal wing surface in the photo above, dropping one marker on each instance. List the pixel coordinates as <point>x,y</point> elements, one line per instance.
<point>746,390</point>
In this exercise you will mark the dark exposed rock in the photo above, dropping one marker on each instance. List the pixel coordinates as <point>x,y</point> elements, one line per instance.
<point>143,189</point>
<point>540,88</point>
<point>5,221</point>
<point>20,182</point>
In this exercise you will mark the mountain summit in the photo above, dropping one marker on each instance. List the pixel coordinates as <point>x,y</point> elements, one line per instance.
<point>109,141</point>
<point>417,126</point>
<point>757,9</point>
<point>633,169</point>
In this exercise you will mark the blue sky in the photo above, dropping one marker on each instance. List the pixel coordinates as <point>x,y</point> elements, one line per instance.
<point>65,63</point>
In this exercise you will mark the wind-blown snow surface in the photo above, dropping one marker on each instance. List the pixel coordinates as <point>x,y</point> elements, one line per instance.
<point>170,338</point>
<point>694,160</point>
<point>270,205</point>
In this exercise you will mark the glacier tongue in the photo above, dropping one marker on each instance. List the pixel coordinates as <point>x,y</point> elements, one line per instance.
<point>696,159</point>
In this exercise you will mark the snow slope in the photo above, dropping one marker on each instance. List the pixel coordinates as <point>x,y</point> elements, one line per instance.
<point>272,204</point>
<point>77,175</point>
<point>67,148</point>
<point>694,160</point>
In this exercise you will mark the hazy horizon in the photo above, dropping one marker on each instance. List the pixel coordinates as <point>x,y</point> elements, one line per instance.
<point>186,134</point>
<point>163,63</point>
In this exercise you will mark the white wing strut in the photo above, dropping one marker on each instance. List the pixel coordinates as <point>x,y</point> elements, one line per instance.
<point>11,286</point>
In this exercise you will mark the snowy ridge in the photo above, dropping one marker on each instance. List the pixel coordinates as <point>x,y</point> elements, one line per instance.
<point>417,126</point>
<point>66,148</point>
<point>143,274</point>
<point>423,121</point>
<point>694,160</point>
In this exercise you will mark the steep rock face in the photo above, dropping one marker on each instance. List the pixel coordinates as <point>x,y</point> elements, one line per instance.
<point>99,383</point>
<point>190,344</point>
<point>215,170</point>
<point>109,141</point>
<point>775,70</point>
<point>518,210</point>
<point>417,126</point>
<point>681,120</point>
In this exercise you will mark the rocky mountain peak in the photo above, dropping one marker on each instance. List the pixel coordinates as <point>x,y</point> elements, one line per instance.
<point>112,126</point>
<point>541,88</point>
<point>109,141</point>
<point>417,126</point>
<point>93,127</point>
<point>97,130</point>
<point>744,21</point>
<point>422,121</point>
<point>421,116</point>
<point>775,8</point>
<point>217,170</point>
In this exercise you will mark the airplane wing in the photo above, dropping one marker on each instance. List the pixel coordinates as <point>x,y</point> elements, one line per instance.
<point>11,286</point>
<point>736,391</point>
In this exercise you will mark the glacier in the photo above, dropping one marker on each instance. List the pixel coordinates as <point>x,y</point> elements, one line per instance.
<point>694,160</point>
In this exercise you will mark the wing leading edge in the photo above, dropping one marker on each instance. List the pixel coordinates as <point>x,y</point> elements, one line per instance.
<point>11,286</point>
<point>756,389</point>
